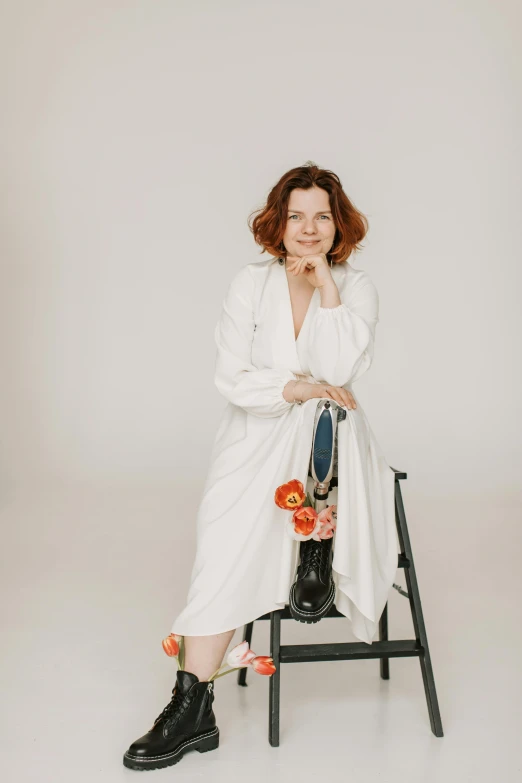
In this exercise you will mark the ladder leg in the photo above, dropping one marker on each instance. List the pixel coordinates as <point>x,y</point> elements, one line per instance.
<point>247,637</point>
<point>417,616</point>
<point>383,636</point>
<point>274,679</point>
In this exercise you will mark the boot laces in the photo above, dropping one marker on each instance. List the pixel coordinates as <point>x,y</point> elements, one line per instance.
<point>173,705</point>
<point>314,556</point>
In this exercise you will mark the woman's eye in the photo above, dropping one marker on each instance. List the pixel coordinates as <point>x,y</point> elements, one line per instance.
<point>297,216</point>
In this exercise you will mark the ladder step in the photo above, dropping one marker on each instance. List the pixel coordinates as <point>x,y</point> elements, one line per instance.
<point>344,651</point>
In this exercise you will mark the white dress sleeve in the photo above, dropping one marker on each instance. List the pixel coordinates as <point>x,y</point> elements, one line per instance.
<point>341,341</point>
<point>257,391</point>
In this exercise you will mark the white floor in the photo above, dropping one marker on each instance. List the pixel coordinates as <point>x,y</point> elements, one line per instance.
<point>92,578</point>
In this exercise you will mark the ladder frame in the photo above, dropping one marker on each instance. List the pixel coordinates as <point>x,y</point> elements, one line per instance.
<point>384,649</point>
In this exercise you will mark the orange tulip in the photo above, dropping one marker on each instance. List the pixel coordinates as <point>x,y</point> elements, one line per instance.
<point>305,520</point>
<point>263,664</point>
<point>290,495</point>
<point>171,644</point>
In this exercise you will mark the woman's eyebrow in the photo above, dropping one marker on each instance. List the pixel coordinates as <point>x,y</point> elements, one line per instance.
<point>321,211</point>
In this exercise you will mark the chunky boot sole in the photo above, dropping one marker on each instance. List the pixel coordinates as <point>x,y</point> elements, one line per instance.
<point>203,743</point>
<point>310,617</point>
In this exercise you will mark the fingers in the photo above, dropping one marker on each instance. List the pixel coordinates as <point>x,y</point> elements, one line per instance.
<point>349,398</point>
<point>296,265</point>
<point>341,396</point>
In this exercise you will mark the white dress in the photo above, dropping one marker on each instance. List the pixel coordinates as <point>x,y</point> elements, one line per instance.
<point>245,562</point>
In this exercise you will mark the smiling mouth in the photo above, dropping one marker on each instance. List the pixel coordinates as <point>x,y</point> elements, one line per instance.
<point>308,241</point>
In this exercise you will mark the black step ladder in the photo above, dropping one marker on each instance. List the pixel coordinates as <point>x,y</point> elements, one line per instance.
<point>383,649</point>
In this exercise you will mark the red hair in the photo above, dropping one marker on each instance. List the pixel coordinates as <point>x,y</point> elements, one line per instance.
<point>268,227</point>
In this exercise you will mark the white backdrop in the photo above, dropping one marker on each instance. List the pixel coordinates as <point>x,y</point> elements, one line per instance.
<point>137,137</point>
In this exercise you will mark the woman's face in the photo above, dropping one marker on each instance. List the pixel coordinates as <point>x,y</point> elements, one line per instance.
<point>310,227</point>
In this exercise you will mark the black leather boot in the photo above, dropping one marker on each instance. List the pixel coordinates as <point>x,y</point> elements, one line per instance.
<point>186,723</point>
<point>313,592</point>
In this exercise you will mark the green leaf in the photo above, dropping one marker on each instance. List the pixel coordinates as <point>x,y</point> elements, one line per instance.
<point>308,500</point>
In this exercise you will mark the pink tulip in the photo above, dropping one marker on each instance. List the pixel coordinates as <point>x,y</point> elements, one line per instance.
<point>327,522</point>
<point>240,655</point>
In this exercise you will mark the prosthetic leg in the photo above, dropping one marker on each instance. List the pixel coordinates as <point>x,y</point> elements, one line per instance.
<point>313,591</point>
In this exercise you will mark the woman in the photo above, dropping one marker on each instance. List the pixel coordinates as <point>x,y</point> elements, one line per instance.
<point>294,328</point>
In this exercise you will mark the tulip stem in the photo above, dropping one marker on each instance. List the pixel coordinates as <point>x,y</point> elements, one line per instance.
<point>181,654</point>
<point>216,675</point>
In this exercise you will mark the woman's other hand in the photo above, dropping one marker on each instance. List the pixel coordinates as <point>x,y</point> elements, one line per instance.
<point>304,391</point>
